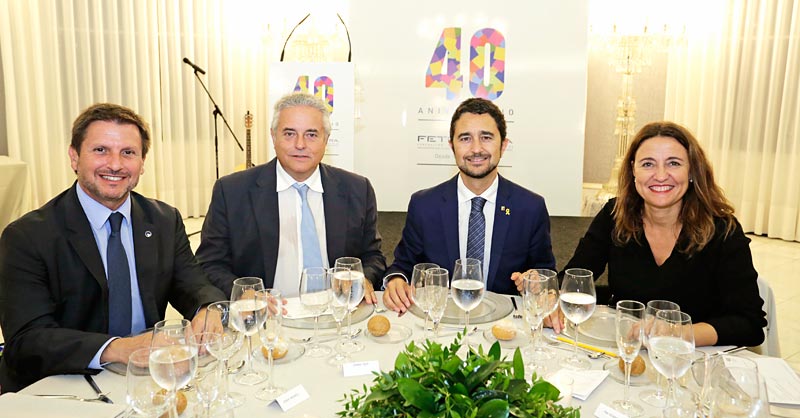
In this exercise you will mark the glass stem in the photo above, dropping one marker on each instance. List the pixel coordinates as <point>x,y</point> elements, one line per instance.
<point>466,330</point>
<point>575,353</point>
<point>435,330</point>
<point>537,337</point>
<point>316,330</point>
<point>427,322</point>
<point>659,391</point>
<point>225,376</point>
<point>627,382</point>
<point>270,382</point>
<point>349,322</point>
<point>250,354</point>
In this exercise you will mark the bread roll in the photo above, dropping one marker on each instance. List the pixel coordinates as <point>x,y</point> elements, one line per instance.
<point>504,331</point>
<point>379,325</point>
<point>637,367</point>
<point>181,401</point>
<point>279,352</point>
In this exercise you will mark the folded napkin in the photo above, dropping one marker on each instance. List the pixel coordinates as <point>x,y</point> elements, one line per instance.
<point>584,381</point>
<point>22,406</point>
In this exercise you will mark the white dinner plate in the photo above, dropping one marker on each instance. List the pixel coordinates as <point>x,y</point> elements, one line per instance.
<point>362,312</point>
<point>599,330</point>
<point>521,339</point>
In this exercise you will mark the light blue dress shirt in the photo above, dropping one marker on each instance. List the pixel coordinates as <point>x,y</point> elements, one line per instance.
<point>97,214</point>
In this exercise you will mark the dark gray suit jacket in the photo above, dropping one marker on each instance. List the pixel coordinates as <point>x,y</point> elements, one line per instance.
<point>53,288</point>
<point>242,228</point>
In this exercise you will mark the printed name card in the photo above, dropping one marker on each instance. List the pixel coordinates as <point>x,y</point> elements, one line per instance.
<point>360,368</point>
<point>605,411</point>
<point>292,397</point>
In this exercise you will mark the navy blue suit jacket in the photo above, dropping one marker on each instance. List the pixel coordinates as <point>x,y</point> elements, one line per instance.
<point>520,241</point>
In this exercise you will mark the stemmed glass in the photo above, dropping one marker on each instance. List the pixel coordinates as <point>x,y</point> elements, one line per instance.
<point>244,309</point>
<point>270,335</point>
<point>419,292</point>
<point>145,395</point>
<point>354,280</point>
<point>671,347</point>
<point>577,301</point>
<point>173,361</point>
<point>436,289</point>
<point>315,295</point>
<point>539,300</point>
<point>339,308</point>
<point>208,381</point>
<point>655,397</point>
<point>737,389</point>
<point>629,323</point>
<point>467,289</point>
<point>230,343</point>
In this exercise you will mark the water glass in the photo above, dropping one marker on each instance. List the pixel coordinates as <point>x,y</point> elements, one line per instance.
<point>315,295</point>
<point>737,389</point>
<point>671,340</point>
<point>355,281</point>
<point>655,397</point>
<point>539,300</point>
<point>230,343</point>
<point>577,301</point>
<point>144,395</point>
<point>419,293</point>
<point>436,286</point>
<point>467,288</point>
<point>270,334</point>
<point>340,299</point>
<point>246,312</point>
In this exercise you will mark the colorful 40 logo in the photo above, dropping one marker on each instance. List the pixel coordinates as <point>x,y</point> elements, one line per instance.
<point>444,70</point>
<point>323,88</point>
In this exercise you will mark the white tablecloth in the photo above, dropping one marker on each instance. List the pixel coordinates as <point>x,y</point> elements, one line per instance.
<point>326,385</point>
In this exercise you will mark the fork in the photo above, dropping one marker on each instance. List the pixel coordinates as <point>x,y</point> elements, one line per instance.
<point>99,397</point>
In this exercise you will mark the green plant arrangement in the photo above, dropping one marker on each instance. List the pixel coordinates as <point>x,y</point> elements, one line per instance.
<point>433,381</point>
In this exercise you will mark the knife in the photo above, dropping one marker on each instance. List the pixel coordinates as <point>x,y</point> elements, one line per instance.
<point>97,390</point>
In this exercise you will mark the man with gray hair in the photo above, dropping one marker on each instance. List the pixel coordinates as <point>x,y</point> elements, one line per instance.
<point>275,219</point>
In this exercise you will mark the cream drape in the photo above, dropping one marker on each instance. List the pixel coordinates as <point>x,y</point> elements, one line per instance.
<point>739,92</point>
<point>60,56</point>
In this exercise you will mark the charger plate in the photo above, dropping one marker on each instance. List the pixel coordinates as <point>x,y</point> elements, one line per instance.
<point>362,312</point>
<point>599,330</point>
<point>493,307</point>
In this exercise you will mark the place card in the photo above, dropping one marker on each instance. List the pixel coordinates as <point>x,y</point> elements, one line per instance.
<point>360,368</point>
<point>783,385</point>
<point>584,381</point>
<point>292,397</point>
<point>605,411</point>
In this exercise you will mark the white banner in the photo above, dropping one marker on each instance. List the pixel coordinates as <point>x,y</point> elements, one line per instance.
<point>415,64</point>
<point>333,83</point>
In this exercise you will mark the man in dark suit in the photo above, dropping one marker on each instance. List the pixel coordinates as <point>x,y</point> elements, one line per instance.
<point>476,214</point>
<point>95,263</point>
<point>273,220</point>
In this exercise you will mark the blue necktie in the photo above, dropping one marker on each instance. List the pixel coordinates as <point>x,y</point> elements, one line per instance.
<point>308,231</point>
<point>477,229</point>
<point>119,281</point>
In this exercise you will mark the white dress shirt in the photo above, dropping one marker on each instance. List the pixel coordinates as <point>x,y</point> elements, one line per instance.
<point>290,249</point>
<point>464,208</point>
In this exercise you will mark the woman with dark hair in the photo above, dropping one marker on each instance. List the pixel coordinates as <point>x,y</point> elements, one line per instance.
<point>670,234</point>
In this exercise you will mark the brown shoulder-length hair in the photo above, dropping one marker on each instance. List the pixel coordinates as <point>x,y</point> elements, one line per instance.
<point>703,201</point>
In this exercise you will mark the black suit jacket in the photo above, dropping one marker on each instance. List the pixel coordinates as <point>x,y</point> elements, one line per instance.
<point>53,288</point>
<point>242,227</point>
<point>520,237</point>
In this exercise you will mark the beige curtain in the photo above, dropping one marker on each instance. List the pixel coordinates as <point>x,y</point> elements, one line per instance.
<point>739,90</point>
<point>60,56</point>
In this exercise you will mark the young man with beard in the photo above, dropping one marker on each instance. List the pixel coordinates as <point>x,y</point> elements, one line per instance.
<point>476,214</point>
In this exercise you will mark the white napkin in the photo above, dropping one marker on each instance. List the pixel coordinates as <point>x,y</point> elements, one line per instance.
<point>584,382</point>
<point>296,310</point>
<point>22,406</point>
<point>783,385</point>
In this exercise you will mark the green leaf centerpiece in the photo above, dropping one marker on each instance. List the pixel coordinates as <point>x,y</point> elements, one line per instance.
<point>433,381</point>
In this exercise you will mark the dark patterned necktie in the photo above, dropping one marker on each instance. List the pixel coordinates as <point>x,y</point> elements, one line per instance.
<point>476,233</point>
<point>119,281</point>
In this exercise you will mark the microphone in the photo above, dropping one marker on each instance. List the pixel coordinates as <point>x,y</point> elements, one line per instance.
<point>191,64</point>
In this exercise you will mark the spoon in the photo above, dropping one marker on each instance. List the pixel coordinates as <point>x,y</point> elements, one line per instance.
<point>324,337</point>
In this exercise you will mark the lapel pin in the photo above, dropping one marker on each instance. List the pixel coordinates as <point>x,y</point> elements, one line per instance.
<point>148,234</point>
<point>506,210</point>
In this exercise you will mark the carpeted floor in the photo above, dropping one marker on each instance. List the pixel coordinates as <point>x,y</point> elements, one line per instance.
<point>565,232</point>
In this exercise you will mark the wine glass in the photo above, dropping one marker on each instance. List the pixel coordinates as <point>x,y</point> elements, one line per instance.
<point>173,361</point>
<point>467,289</point>
<point>270,334</point>
<point>419,293</point>
<point>539,300</point>
<point>629,323</point>
<point>230,343</point>
<point>315,295</point>
<point>437,289</point>
<point>355,281</point>
<point>244,309</point>
<point>577,301</point>
<point>339,308</point>
<point>737,389</point>
<point>671,341</point>
<point>208,380</point>
<point>144,394</point>
<point>655,397</point>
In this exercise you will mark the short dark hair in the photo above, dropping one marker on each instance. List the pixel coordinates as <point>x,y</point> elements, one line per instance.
<point>479,106</point>
<point>108,112</point>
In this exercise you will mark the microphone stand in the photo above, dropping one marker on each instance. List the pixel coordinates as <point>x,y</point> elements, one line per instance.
<point>216,112</point>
